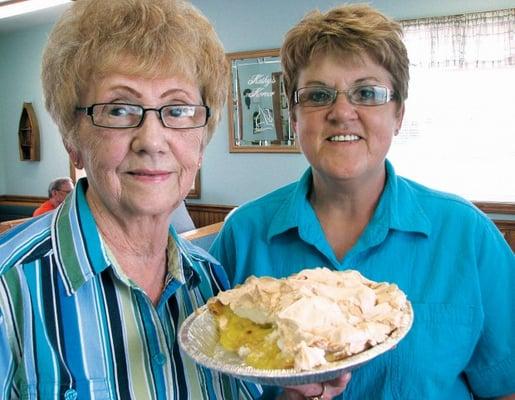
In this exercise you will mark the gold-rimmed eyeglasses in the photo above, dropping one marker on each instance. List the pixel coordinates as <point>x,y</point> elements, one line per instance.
<point>363,95</point>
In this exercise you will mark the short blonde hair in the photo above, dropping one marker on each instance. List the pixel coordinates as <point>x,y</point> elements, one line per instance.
<point>160,38</point>
<point>350,31</point>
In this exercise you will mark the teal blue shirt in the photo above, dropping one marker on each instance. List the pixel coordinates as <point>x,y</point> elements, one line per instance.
<point>73,326</point>
<point>445,254</point>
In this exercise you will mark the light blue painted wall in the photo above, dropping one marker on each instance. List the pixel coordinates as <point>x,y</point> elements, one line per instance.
<point>20,59</point>
<point>227,178</point>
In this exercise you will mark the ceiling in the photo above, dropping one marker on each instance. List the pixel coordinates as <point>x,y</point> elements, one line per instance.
<point>39,17</point>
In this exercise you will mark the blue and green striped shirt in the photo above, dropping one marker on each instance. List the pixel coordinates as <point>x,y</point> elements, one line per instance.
<point>73,326</point>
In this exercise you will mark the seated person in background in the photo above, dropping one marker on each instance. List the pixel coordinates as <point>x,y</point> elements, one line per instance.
<point>346,78</point>
<point>57,192</point>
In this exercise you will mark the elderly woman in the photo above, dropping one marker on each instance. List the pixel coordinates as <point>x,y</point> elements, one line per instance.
<point>92,294</point>
<point>346,78</point>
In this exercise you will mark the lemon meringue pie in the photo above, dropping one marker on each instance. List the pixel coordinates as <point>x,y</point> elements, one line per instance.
<point>308,319</point>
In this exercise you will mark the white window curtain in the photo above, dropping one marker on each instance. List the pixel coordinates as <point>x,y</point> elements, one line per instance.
<point>483,40</point>
<point>458,133</point>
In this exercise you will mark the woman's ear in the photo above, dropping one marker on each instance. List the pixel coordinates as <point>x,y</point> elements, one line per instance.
<point>75,157</point>
<point>293,122</point>
<point>400,118</point>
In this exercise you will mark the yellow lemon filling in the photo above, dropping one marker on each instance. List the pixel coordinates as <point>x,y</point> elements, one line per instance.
<point>255,343</point>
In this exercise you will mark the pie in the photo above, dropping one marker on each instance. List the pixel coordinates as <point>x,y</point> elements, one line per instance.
<point>308,319</point>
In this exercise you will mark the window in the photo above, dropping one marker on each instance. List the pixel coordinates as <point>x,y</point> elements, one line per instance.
<point>458,133</point>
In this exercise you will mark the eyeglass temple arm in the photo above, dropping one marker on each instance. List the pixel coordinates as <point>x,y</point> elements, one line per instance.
<point>87,110</point>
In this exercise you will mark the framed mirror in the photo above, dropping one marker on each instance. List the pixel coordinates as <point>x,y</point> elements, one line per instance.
<point>259,121</point>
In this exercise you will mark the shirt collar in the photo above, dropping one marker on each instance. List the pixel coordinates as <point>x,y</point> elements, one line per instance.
<point>80,250</point>
<point>398,208</point>
<point>173,265</point>
<point>294,209</point>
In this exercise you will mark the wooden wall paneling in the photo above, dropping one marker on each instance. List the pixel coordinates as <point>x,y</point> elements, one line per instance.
<point>207,214</point>
<point>507,228</point>
<point>12,200</point>
<point>497,207</point>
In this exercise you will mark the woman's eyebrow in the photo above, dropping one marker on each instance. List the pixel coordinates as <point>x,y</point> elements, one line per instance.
<point>366,79</point>
<point>172,91</point>
<point>315,83</point>
<point>126,88</point>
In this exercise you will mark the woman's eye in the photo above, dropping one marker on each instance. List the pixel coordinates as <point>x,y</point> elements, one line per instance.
<point>320,96</point>
<point>179,112</point>
<point>118,111</point>
<point>175,112</point>
<point>366,93</point>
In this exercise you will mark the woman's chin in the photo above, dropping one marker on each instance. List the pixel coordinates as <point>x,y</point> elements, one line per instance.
<point>149,209</point>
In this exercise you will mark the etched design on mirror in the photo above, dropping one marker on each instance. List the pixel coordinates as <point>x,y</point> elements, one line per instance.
<point>258,110</point>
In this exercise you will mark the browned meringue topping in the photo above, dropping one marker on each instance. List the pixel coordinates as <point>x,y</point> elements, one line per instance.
<point>320,315</point>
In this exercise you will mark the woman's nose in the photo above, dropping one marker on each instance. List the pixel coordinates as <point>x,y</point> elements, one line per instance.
<point>151,136</point>
<point>342,108</point>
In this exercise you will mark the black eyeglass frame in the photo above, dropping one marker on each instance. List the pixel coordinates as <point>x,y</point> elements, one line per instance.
<point>88,110</point>
<point>390,95</point>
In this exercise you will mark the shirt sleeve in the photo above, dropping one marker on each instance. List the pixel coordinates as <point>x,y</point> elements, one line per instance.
<point>491,370</point>
<point>218,272</point>
<point>6,359</point>
<point>224,251</point>
<point>249,390</point>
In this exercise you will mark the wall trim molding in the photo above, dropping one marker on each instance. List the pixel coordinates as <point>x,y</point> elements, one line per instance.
<point>505,223</point>
<point>19,200</point>
<point>487,207</point>
<point>496,208</point>
<point>210,207</point>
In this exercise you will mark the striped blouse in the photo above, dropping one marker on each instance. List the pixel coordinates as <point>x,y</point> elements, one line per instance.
<point>73,326</point>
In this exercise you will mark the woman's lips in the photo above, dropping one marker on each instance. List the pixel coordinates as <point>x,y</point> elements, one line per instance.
<point>150,175</point>
<point>344,138</point>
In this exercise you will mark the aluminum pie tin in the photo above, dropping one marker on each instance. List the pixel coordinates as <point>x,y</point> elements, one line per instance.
<point>198,338</point>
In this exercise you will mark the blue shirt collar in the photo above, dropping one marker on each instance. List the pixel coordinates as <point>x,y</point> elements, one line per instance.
<point>397,209</point>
